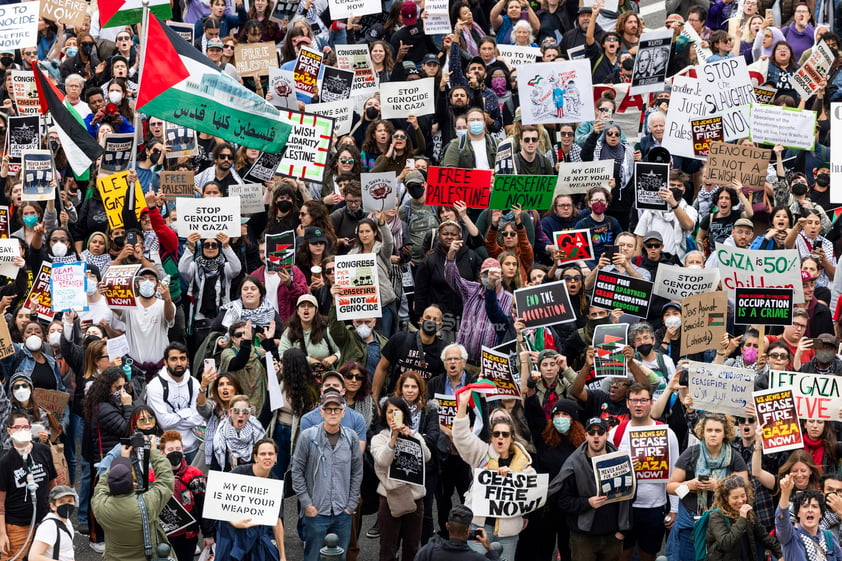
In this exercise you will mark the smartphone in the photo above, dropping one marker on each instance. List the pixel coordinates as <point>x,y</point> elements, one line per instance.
<point>398,416</point>
<point>704,478</point>
<point>410,163</point>
<point>131,238</point>
<point>610,251</point>
<point>768,13</point>
<point>209,363</point>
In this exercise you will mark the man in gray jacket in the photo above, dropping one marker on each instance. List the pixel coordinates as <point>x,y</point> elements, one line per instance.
<point>328,453</point>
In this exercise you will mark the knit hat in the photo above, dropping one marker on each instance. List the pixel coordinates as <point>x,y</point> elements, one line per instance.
<point>566,406</point>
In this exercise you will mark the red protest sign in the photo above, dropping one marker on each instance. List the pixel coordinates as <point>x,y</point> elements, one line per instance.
<point>119,286</point>
<point>39,300</point>
<point>777,415</point>
<point>445,186</point>
<point>573,245</point>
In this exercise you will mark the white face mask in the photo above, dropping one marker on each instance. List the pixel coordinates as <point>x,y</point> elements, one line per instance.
<point>92,288</point>
<point>147,289</point>
<point>22,437</point>
<point>33,343</point>
<point>59,249</point>
<point>673,321</point>
<point>22,394</point>
<point>363,330</point>
<point>115,97</point>
<point>694,266</point>
<point>54,338</point>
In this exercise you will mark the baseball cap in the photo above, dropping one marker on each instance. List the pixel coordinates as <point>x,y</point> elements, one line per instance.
<point>744,222</point>
<point>332,397</point>
<point>215,43</point>
<point>490,263</point>
<point>307,298</point>
<point>669,305</point>
<point>149,271</point>
<point>314,234</point>
<point>430,57</point>
<point>653,235</point>
<point>674,18</point>
<point>806,276</point>
<point>414,176</point>
<point>60,491</point>
<point>585,10</point>
<point>546,353</point>
<point>120,477</point>
<point>596,422</point>
<point>826,339</point>
<point>409,12</point>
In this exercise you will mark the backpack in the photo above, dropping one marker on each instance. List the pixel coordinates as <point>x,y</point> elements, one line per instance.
<point>700,535</point>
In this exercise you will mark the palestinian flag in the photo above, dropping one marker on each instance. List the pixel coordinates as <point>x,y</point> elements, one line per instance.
<point>79,146</point>
<point>114,13</point>
<point>480,387</point>
<point>180,85</point>
<point>716,320</point>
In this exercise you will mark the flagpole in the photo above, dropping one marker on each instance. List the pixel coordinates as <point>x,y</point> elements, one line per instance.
<point>138,127</point>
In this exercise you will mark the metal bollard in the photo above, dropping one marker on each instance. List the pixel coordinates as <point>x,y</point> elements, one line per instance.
<point>162,552</point>
<point>331,551</point>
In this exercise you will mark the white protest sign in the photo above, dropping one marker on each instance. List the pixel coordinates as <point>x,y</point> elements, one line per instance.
<point>358,59</point>
<point>806,80</point>
<point>276,396</point>
<point>9,249</point>
<point>233,497</point>
<point>817,396</point>
<point>727,91</point>
<point>341,112</point>
<point>379,191</point>
<point>791,127</point>
<point>19,27</point>
<point>399,99</point>
<point>209,216</point>
<point>515,55</point>
<point>308,147</point>
<point>251,197</point>
<point>754,268</point>
<point>686,103</point>
<point>719,388</point>
<point>577,177</point>
<point>68,283</point>
<point>690,34</point>
<point>25,92</point>
<point>650,63</point>
<point>282,89</point>
<point>608,5</point>
<point>355,277</point>
<point>508,496</point>
<point>556,92</point>
<point>835,116</point>
<point>437,18</point>
<point>343,9</point>
<point>677,283</point>
<point>118,347</point>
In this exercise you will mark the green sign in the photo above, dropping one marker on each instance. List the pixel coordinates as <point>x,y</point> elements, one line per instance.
<point>528,191</point>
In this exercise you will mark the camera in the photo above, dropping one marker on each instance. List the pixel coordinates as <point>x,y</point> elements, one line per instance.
<point>683,377</point>
<point>474,534</point>
<point>139,458</point>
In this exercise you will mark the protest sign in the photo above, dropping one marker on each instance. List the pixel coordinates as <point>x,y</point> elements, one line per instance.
<point>650,446</point>
<point>727,91</point>
<point>555,92</point>
<point>763,306</point>
<point>514,494</point>
<point>20,25</point>
<point>283,11</point>
<point>695,40</point>
<point>306,72</point>
<point>341,112</point>
<point>234,497</point>
<point>118,153</point>
<point>336,84</point>
<point>817,396</point>
<point>609,341</point>
<point>650,64</point>
<point>807,79</point>
<point>727,162</point>
<point>615,478</point>
<point>355,276</point>
<point>674,282</point>
<point>24,134</point>
<point>280,251</point>
<point>719,388</point>
<point>516,55</point>
<point>529,191</point>
<point>38,176</point>
<point>7,348</point>
<point>308,147</point>
<point>445,186</point>
<point>119,286</point>
<point>38,300</point>
<point>778,417</point>
<point>494,366</point>
<point>68,283</point>
<point>177,184</point>
<point>835,116</point>
<point>400,99</point>
<point>4,223</point>
<point>264,167</point>
<point>612,290</point>
<point>181,141</point>
<point>649,180</point>
<point>791,127</point>
<point>686,103</point>
<point>251,197</point>
<point>751,268</point>
<point>446,407</point>
<point>437,17</point>
<point>765,94</point>
<point>703,319</point>
<point>9,250</point>
<point>608,5</point>
<point>358,59</point>
<point>255,59</point>
<point>544,305</point>
<point>69,12</point>
<point>379,191</point>
<point>54,401</point>
<point>343,9</point>
<point>209,216</point>
<point>573,245</point>
<point>282,89</point>
<point>576,178</point>
<point>706,131</point>
<point>112,190</point>
<point>25,93</point>
<point>118,347</point>
<point>184,30</point>
<point>174,517</point>
<point>408,463</point>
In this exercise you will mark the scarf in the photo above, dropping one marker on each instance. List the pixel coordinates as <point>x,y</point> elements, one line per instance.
<point>475,33</point>
<point>814,547</point>
<point>209,276</point>
<point>815,448</point>
<point>210,433</point>
<point>150,243</point>
<point>238,446</point>
<point>714,467</point>
<point>101,261</point>
<point>415,416</point>
<point>550,398</point>
<point>261,315</point>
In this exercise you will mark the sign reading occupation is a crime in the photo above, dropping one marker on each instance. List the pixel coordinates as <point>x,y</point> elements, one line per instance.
<point>778,417</point>
<point>631,295</point>
<point>445,186</point>
<point>528,191</point>
<point>545,304</point>
<point>763,306</point>
<point>236,497</point>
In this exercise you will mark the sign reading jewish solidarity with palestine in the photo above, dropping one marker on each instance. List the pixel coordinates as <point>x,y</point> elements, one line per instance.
<point>817,396</point>
<point>778,417</point>
<point>308,146</point>
<point>573,245</point>
<point>720,388</point>
<point>355,277</point>
<point>237,497</point>
<point>447,409</point>
<point>703,321</point>
<point>763,306</point>
<point>209,216</point>
<point>533,192</point>
<point>545,304</point>
<point>400,99</point>
<point>745,163</point>
<point>650,447</point>
<point>576,178</point>
<point>514,494</point>
<point>119,286</point>
<point>614,473</point>
<point>408,463</point>
<point>445,186</point>
<point>612,290</point>
<point>675,283</point>
<point>494,366</point>
<point>751,268</point>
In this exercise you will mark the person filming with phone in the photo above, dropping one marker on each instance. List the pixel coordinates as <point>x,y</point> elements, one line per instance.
<point>456,548</point>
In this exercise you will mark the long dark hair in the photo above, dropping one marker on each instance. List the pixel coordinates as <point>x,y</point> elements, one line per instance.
<point>298,381</point>
<point>370,144</point>
<point>100,391</point>
<point>219,407</point>
<point>396,402</point>
<point>365,386</point>
<point>295,333</point>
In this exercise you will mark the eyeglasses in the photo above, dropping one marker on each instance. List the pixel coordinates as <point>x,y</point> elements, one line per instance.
<point>329,271</point>
<point>501,434</point>
<point>529,139</point>
<point>238,334</point>
<point>225,157</point>
<point>653,246</point>
<point>564,205</point>
<point>399,136</point>
<point>779,356</point>
<point>145,420</point>
<point>594,432</point>
<point>354,376</point>
<point>509,234</point>
<point>611,40</point>
<point>566,133</point>
<point>612,134</point>
<point>640,401</point>
<point>124,38</point>
<point>799,326</point>
<point>348,160</point>
<point>744,420</point>
<point>453,358</point>
<point>332,410</point>
<point>156,125</point>
<point>242,411</point>
<point>21,427</point>
<point>572,278</point>
<point>211,245</point>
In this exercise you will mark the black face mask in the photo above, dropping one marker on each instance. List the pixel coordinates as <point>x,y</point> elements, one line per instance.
<point>66,510</point>
<point>87,48</point>
<point>53,146</point>
<point>429,327</point>
<point>175,457</point>
<point>119,242</point>
<point>372,113</point>
<point>592,323</point>
<point>146,431</point>
<point>7,61</point>
<point>677,194</point>
<point>644,350</point>
<point>799,189</point>
<point>284,206</point>
<point>416,190</point>
<point>823,179</point>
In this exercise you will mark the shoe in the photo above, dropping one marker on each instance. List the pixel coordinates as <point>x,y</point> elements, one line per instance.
<point>83,529</point>
<point>98,547</point>
<point>373,533</point>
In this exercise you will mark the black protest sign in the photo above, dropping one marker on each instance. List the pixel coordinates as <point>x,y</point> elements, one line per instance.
<point>408,463</point>
<point>612,290</point>
<point>174,517</point>
<point>649,179</point>
<point>336,84</point>
<point>24,135</point>
<point>280,251</point>
<point>264,167</point>
<point>763,306</point>
<point>545,304</point>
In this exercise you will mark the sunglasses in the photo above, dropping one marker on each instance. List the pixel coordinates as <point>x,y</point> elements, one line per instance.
<point>353,376</point>
<point>530,140</point>
<point>348,160</point>
<point>19,386</point>
<point>572,278</point>
<point>238,334</point>
<point>124,38</point>
<point>145,420</point>
<point>228,47</point>
<point>744,420</point>
<point>566,133</point>
<point>509,234</point>
<point>779,356</point>
<point>594,432</point>
<point>501,434</point>
<point>652,246</point>
<point>30,53</point>
<point>329,271</point>
<point>612,134</point>
<point>225,157</point>
<point>242,411</point>
<point>211,245</point>
<point>399,136</point>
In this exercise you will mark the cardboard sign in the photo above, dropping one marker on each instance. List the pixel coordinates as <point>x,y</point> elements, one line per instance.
<point>177,184</point>
<point>68,283</point>
<point>494,366</point>
<point>25,92</point>
<point>674,282</point>
<point>650,64</point>
<point>379,191</point>
<point>233,497</point>
<point>343,9</point>
<point>20,25</point>
<point>68,12</point>
<point>614,473</point>
<point>612,290</point>
<point>336,84</point>
<point>817,396</point>
<point>38,176</point>
<point>255,59</point>
<point>778,417</point>
<point>175,517</point>
<point>181,141</point>
<point>573,245</point>
<point>686,103</point>
<point>516,55</point>
<point>306,72</point>
<point>763,306</point>
<point>720,389</point>
<point>609,342</point>
<point>112,190</point>
<point>53,401</point>
<point>251,197</point>
<point>23,133</point>
<point>703,321</point>
<point>445,186</point>
<point>209,216</point>
<point>649,180</point>
<point>555,92</point>
<point>515,494</point>
<point>38,300</point>
<point>308,148</point>
<point>264,168</point>
<point>791,127</point>
<point>544,305</point>
<point>282,89</point>
<point>706,131</point>
<point>727,91</point>
<point>807,79</point>
<point>408,463</point>
<point>447,409</point>
<point>118,153</point>
<point>727,162</point>
<point>358,59</point>
<point>400,99</point>
<point>119,286</point>
<point>751,268</point>
<point>341,112</point>
<point>650,447</point>
<point>359,295</point>
<point>7,348</point>
<point>534,192</point>
<point>280,251</point>
<point>576,178</point>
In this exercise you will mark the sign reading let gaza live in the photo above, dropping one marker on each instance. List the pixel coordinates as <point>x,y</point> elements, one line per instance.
<point>763,306</point>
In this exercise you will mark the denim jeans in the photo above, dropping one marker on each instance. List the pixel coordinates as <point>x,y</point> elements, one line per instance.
<point>509,544</point>
<point>316,528</point>
<point>282,436</point>
<point>75,430</point>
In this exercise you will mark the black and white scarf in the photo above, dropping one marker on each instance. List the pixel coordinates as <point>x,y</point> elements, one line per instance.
<point>238,445</point>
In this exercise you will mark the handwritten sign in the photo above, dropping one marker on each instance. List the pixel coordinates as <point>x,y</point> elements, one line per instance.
<point>750,268</point>
<point>573,245</point>
<point>408,463</point>
<point>650,446</point>
<point>495,367</point>
<point>576,178</point>
<point>614,473</point>
<point>7,348</point>
<point>119,286</point>
<point>509,496</point>
<point>515,55</point>
<point>112,190</point>
<point>306,72</point>
<point>54,401</point>
<point>727,162</point>
<point>778,417</point>
<point>118,347</point>
<point>341,112</point>
<point>446,408</point>
<point>234,497</point>
<point>39,300</point>
<point>529,191</point>
<point>68,283</point>
<point>445,186</point>
<point>177,184</point>
<point>251,197</point>
<point>399,99</point>
<point>727,91</point>
<point>255,59</point>
<point>9,251</point>
<point>379,191</point>
<point>703,320</point>
<point>209,216</point>
<point>544,305</point>
<point>719,388</point>
<point>686,103</point>
<point>68,12</point>
<point>791,127</point>
<point>763,306</point>
<point>355,277</point>
<point>817,396</point>
<point>675,283</point>
<point>612,290</point>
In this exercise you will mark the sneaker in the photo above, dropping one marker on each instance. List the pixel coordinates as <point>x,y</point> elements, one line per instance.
<point>83,529</point>
<point>373,533</point>
<point>98,547</point>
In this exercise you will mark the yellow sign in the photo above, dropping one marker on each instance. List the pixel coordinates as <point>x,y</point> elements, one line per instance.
<point>113,189</point>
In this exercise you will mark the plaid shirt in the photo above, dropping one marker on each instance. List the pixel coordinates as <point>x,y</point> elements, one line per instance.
<point>764,504</point>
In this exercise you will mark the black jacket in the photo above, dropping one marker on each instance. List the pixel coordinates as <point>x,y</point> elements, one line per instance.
<point>430,286</point>
<point>452,550</point>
